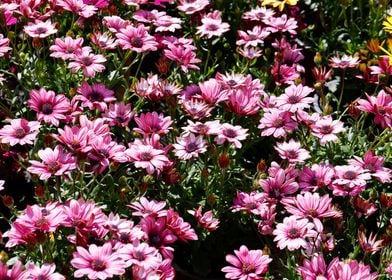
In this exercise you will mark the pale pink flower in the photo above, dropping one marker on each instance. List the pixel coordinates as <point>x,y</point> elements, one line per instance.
<point>20,131</point>
<point>153,123</point>
<point>115,23</point>
<point>95,96</point>
<point>250,52</point>
<point>40,29</point>
<point>136,38</point>
<point>189,146</point>
<point>258,14</point>
<point>103,41</point>
<point>66,49</point>
<point>293,232</point>
<point>316,268</point>
<point>141,255</point>
<point>192,6</point>
<point>75,138</point>
<point>207,128</point>
<point>311,206</point>
<point>211,91</point>
<point>179,227</point>
<point>279,184</point>
<point>145,208</point>
<point>245,100</point>
<point>212,25</point>
<point>346,61</point>
<point>119,114</point>
<point>90,63</point>
<point>351,270</point>
<point>147,157</point>
<point>46,271</point>
<point>54,162</point>
<point>267,219</point>
<point>184,56</point>
<point>232,134</point>
<point>14,273</point>
<point>246,264</point>
<point>4,45</point>
<point>78,7</point>
<point>196,108</point>
<point>252,38</point>
<point>380,106</point>
<point>277,123</point>
<point>233,80</point>
<point>349,180</point>
<point>388,270</point>
<point>318,176</point>
<point>374,164</point>
<point>371,244</point>
<point>50,107</point>
<point>292,151</point>
<point>98,262</point>
<point>252,202</point>
<point>2,182</point>
<point>281,24</point>
<point>326,129</point>
<point>295,98</point>
<point>206,220</point>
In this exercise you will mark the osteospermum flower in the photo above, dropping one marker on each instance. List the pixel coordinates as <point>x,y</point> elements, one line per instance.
<point>145,208</point>
<point>119,114</point>
<point>346,61</point>
<point>20,131</point>
<point>136,38</point>
<point>4,42</point>
<point>40,29</point>
<point>205,220</point>
<point>191,7</point>
<point>277,123</point>
<point>184,56</point>
<point>189,146</point>
<point>50,107</point>
<point>292,151</point>
<point>66,49</point>
<point>212,25</point>
<point>281,24</point>
<point>54,162</point>
<point>292,233</point>
<point>232,134</point>
<point>326,129</point>
<point>295,98</point>
<point>90,63</point>
<point>98,262</point>
<point>349,180</point>
<point>370,244</point>
<point>13,273</point>
<point>95,96</point>
<point>46,271</point>
<point>380,106</point>
<point>246,264</point>
<point>153,123</point>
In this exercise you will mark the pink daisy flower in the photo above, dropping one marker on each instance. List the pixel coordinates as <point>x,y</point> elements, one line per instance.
<point>20,131</point>
<point>277,123</point>
<point>46,271</point>
<point>196,108</point>
<point>206,220</point>
<point>50,107</point>
<point>14,273</point>
<point>380,106</point>
<point>351,270</point>
<point>54,162</point>
<point>103,41</point>
<point>295,98</point>
<point>292,151</point>
<point>145,208</point>
<point>88,62</point>
<point>258,14</point>
<point>189,146</point>
<point>252,202</point>
<point>232,134</point>
<point>40,29</point>
<point>153,123</point>
<point>179,227</point>
<point>292,233</point>
<point>212,25</point>
<point>184,56</point>
<point>281,24</point>
<point>250,53</point>
<point>119,114</point>
<point>316,268</point>
<point>246,264</point>
<point>211,91</point>
<point>279,184</point>
<point>318,176</point>
<point>66,49</point>
<point>252,38</point>
<point>349,180</point>
<point>326,129</point>
<point>374,164</point>
<point>75,138</point>
<point>207,128</point>
<point>192,6</point>
<point>136,38</point>
<point>78,7</point>
<point>115,23</point>
<point>98,262</point>
<point>141,255</point>
<point>371,244</point>
<point>95,96</point>
<point>4,42</point>
<point>346,61</point>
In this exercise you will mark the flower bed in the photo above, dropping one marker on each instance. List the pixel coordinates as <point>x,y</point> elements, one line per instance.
<point>193,138</point>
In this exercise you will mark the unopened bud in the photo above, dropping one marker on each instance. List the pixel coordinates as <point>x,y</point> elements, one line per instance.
<point>8,200</point>
<point>223,160</point>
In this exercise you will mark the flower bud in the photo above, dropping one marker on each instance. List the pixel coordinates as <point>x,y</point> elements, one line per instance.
<point>8,200</point>
<point>261,166</point>
<point>3,257</point>
<point>39,191</point>
<point>223,160</point>
<point>317,58</point>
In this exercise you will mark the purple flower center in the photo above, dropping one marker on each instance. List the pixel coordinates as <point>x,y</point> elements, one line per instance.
<point>42,223</point>
<point>98,265</point>
<point>20,133</point>
<point>53,166</point>
<point>292,154</point>
<point>201,128</point>
<point>95,96</point>
<point>381,110</point>
<point>326,129</point>
<point>248,267</point>
<point>41,30</point>
<point>137,42</point>
<point>155,240</point>
<point>75,144</point>
<point>104,152</point>
<point>279,123</point>
<point>293,233</point>
<point>350,175</point>
<point>293,99</point>
<point>145,156</point>
<point>86,60</point>
<point>191,147</point>
<point>119,119</point>
<point>312,212</point>
<point>124,237</point>
<point>139,255</point>
<point>47,108</point>
<point>42,277</point>
<point>212,27</point>
<point>231,133</point>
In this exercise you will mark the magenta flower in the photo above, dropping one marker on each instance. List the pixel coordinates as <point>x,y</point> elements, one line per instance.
<point>145,208</point>
<point>292,151</point>
<point>136,39</point>
<point>293,232</point>
<point>66,49</point>
<point>211,91</point>
<point>351,270</point>
<point>380,106</point>
<point>98,262</point>
<point>346,61</point>
<point>54,162</point>
<point>50,107</point>
<point>189,146</point>
<point>75,138</point>
<point>206,220</point>
<point>183,55</point>
<point>212,25</point>
<point>316,177</point>
<point>14,273</point>
<point>371,244</point>
<point>316,268</point>
<point>95,96</point>
<point>141,255</point>
<point>279,184</point>
<point>88,62</point>
<point>20,131</point>
<point>4,45</point>
<point>78,7</point>
<point>153,123</point>
<point>295,98</point>
<point>326,129</point>
<point>181,229</point>
<point>119,114</point>
<point>277,123</point>
<point>349,180</point>
<point>246,264</point>
<point>40,29</point>
<point>46,271</point>
<point>252,202</point>
<point>232,134</point>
